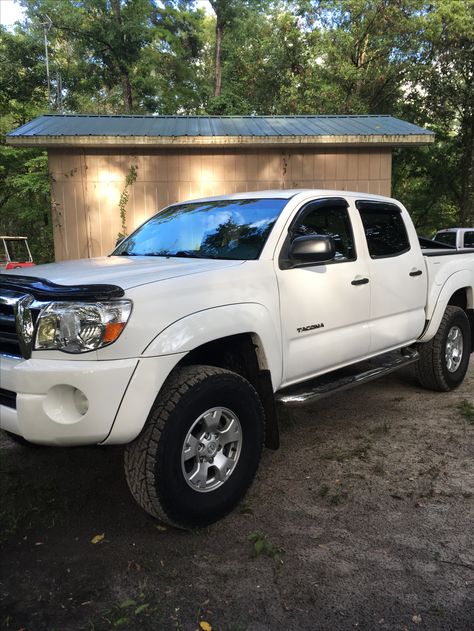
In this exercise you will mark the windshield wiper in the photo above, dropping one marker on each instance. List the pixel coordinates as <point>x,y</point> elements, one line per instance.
<point>191,254</point>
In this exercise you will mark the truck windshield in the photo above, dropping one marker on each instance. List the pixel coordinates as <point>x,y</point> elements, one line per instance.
<point>222,229</point>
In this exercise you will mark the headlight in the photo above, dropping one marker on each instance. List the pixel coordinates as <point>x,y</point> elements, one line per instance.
<point>81,327</point>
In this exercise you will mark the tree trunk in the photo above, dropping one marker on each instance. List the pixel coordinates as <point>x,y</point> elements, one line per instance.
<point>218,58</point>
<point>124,74</point>
<point>127,91</point>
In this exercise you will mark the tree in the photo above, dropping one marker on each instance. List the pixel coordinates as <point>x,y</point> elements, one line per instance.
<point>24,180</point>
<point>363,50</point>
<point>108,34</point>
<point>446,74</point>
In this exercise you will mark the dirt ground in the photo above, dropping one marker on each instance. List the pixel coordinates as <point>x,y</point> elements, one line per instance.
<point>364,519</point>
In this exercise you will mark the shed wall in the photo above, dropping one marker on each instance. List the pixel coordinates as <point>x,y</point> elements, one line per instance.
<point>87,184</point>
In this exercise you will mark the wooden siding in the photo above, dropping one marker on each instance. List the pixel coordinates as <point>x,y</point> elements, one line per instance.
<point>87,184</point>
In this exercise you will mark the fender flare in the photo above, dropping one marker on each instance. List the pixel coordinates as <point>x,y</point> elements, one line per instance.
<point>458,280</point>
<point>201,327</point>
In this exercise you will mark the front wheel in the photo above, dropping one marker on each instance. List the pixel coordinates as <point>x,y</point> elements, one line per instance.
<point>444,360</point>
<point>200,448</point>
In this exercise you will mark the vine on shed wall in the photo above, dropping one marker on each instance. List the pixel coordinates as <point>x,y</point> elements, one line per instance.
<point>130,179</point>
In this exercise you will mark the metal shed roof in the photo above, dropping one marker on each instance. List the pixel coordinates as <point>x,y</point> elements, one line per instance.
<point>72,130</point>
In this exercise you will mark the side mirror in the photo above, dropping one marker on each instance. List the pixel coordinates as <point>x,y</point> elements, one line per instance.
<point>312,248</point>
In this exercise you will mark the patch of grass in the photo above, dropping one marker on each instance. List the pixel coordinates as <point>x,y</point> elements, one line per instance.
<point>358,451</point>
<point>466,409</point>
<point>337,498</point>
<point>131,613</point>
<point>437,609</point>
<point>381,429</point>
<point>261,545</point>
<point>246,509</point>
<point>324,490</point>
<point>378,469</point>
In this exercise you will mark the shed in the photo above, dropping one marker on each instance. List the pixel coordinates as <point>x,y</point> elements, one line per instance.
<point>175,158</point>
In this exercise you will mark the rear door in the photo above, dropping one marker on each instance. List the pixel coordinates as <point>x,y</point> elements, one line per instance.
<point>397,275</point>
<point>324,307</point>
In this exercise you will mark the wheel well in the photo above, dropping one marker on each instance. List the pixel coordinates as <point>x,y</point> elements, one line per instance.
<point>463,298</point>
<point>243,354</point>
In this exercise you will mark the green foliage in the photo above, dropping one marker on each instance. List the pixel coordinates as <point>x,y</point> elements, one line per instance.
<point>466,408</point>
<point>261,545</point>
<point>411,58</point>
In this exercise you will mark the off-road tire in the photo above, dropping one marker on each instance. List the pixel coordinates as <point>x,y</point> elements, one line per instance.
<point>431,369</point>
<point>153,460</point>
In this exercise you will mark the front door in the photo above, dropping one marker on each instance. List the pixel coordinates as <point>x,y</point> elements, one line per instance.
<point>324,307</point>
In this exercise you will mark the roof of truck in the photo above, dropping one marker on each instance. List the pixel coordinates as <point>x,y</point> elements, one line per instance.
<point>288,193</point>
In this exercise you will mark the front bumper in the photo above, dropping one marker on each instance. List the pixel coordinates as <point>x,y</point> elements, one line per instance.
<point>63,402</point>
<point>119,395</point>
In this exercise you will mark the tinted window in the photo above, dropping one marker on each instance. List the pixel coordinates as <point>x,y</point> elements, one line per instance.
<point>385,231</point>
<point>469,239</point>
<point>331,222</point>
<point>446,237</point>
<point>222,229</point>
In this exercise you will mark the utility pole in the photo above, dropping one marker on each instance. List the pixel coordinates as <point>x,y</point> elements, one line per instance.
<point>46,23</point>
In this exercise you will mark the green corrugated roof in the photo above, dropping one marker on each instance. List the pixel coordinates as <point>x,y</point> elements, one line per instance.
<point>215,126</point>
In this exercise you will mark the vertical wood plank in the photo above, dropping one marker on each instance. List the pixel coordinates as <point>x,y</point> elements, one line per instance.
<point>374,166</point>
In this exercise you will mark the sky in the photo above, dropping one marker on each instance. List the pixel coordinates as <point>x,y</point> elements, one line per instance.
<point>10,11</point>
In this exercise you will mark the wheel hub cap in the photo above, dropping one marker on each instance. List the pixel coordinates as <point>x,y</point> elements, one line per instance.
<point>211,449</point>
<point>454,349</point>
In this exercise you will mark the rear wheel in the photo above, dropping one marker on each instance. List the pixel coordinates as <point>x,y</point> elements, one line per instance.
<point>444,360</point>
<point>200,447</point>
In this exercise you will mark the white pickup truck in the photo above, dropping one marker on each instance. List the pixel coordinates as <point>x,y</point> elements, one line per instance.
<point>181,343</point>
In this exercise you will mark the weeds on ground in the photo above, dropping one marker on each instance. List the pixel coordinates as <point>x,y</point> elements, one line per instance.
<point>340,454</point>
<point>261,545</point>
<point>129,613</point>
<point>466,410</point>
<point>335,498</point>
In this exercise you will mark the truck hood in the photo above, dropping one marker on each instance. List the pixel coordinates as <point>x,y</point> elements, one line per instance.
<point>124,271</point>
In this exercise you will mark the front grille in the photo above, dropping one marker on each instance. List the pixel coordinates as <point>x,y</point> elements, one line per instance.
<point>8,335</point>
<point>8,398</point>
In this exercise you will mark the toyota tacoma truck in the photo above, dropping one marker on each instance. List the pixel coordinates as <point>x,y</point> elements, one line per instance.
<point>182,344</point>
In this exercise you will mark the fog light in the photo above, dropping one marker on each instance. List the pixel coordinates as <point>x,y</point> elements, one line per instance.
<point>65,404</point>
<point>80,401</point>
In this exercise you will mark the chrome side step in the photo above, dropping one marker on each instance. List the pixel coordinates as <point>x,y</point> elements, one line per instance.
<point>346,378</point>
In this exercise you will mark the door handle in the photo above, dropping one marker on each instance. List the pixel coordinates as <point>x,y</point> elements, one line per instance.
<point>359,281</point>
<point>416,272</point>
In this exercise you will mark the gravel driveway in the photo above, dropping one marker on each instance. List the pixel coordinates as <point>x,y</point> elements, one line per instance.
<point>364,519</point>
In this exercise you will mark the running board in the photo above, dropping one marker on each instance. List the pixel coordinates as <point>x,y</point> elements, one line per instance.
<point>345,378</point>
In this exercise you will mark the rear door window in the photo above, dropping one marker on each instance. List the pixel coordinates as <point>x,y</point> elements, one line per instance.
<point>384,229</point>
<point>446,237</point>
<point>469,239</point>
